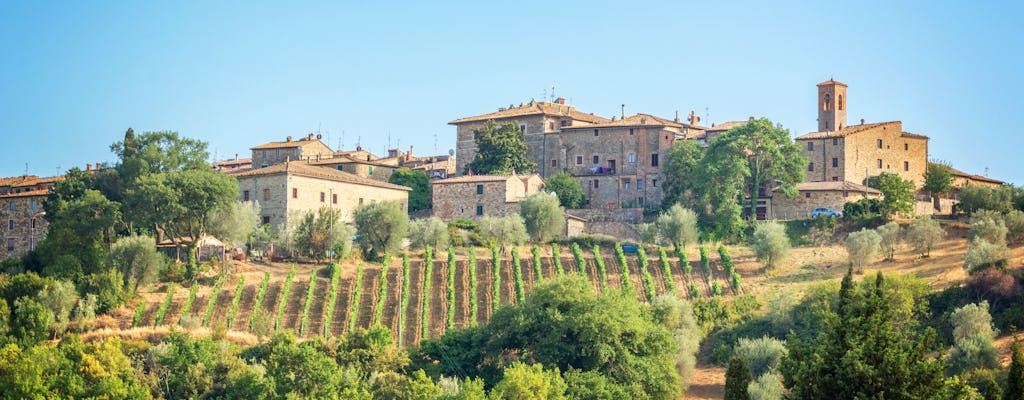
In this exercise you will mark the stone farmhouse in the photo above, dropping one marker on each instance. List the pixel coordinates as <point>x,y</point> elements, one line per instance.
<point>812,195</point>
<point>307,148</point>
<point>21,212</point>
<point>475,196</point>
<point>287,190</point>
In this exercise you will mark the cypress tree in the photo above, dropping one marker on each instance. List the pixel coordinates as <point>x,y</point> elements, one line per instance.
<point>737,378</point>
<point>1015,377</point>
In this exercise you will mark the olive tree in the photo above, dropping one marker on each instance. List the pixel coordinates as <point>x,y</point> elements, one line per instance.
<point>890,238</point>
<point>862,247</point>
<point>973,337</point>
<point>381,226</point>
<point>543,216</point>
<point>509,230</point>
<point>676,226</point>
<point>770,243</point>
<point>137,259</point>
<point>428,232</point>
<point>924,233</point>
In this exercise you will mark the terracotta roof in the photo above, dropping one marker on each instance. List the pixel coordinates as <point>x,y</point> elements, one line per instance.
<point>286,144</point>
<point>633,120</point>
<point>847,131</point>
<point>535,108</point>
<point>29,193</point>
<point>301,168</point>
<point>913,135</point>
<point>963,174</point>
<point>826,186</point>
<point>832,82</point>
<point>17,180</point>
<point>233,161</point>
<point>726,126</point>
<point>480,178</point>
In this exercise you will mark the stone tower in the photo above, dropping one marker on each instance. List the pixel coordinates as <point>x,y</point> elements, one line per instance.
<point>831,106</point>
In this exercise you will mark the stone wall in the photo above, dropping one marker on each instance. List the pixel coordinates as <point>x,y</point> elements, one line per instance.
<point>625,172</point>
<point>23,224</point>
<point>801,206</point>
<point>618,230</point>
<point>623,215</point>
<point>855,157</point>
<point>460,200</point>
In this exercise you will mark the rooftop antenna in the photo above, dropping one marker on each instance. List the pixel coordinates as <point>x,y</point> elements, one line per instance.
<point>707,115</point>
<point>341,142</point>
<point>359,140</point>
<point>435,143</point>
<point>552,93</point>
<point>986,170</point>
<point>26,170</point>
<point>389,139</point>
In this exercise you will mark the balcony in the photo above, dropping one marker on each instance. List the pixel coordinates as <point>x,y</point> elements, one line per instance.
<point>594,171</point>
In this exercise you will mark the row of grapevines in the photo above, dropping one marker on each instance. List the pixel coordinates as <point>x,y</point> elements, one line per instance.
<point>188,303</point>
<point>304,322</point>
<point>213,300</point>
<point>684,262</point>
<point>641,255</point>
<point>705,262</point>
<point>160,312</point>
<point>451,288</point>
<point>260,295</point>
<point>726,260</point>
<point>235,300</point>
<point>602,273</point>
<point>139,312</point>
<point>694,293</point>
<point>283,299</point>
<point>496,279</point>
<point>620,256</point>
<point>332,297</point>
<point>404,303</point>
<point>473,309</point>
<point>577,253</point>
<point>666,270</point>
<point>538,273</point>
<point>357,292</point>
<point>556,256</point>
<point>382,293</point>
<point>517,276</point>
<point>737,283</point>
<point>716,288</point>
<point>428,272</point>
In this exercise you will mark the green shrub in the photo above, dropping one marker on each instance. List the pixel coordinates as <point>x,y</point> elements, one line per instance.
<point>684,262</point>
<point>556,256</point>
<point>235,300</point>
<point>666,271</point>
<point>763,355</point>
<point>991,230</point>
<point>260,295</point>
<point>310,293</point>
<point>213,300</point>
<point>924,233</point>
<point>716,288</point>
<point>694,292</point>
<point>889,235</point>
<point>473,307</point>
<point>862,247</point>
<point>982,255</point>
<point>140,311</point>
<point>602,273</point>
<point>517,276</point>
<point>538,272</point>
<point>581,262</point>
<point>286,290</point>
<point>620,256</point>
<point>404,303</point>
<point>192,291</point>
<point>428,232</point>
<point>649,288</point>
<point>382,292</point>
<point>727,264</point>
<point>357,294</point>
<point>160,312</point>
<point>973,336</point>
<point>705,262</point>
<point>770,243</point>
<point>737,283</point>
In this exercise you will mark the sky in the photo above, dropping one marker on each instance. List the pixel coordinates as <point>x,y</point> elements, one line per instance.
<point>75,75</point>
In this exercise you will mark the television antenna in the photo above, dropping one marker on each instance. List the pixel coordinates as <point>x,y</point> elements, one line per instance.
<point>435,143</point>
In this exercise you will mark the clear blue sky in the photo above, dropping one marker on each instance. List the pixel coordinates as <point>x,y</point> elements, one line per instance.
<point>75,75</point>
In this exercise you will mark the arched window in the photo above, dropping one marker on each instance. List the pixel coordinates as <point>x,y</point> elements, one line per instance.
<point>840,102</point>
<point>828,102</point>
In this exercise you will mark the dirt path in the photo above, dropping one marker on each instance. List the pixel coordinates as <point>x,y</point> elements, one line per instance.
<point>483,291</point>
<point>315,321</point>
<point>368,298</point>
<point>245,304</point>
<point>293,304</point>
<point>392,300</point>
<point>438,299</point>
<point>707,383</point>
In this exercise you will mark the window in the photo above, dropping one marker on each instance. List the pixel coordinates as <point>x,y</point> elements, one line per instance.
<point>810,166</point>
<point>625,184</point>
<point>835,141</point>
<point>245,195</point>
<point>263,165</point>
<point>596,184</point>
<point>631,157</point>
<point>33,205</point>
<point>522,128</point>
<point>266,194</point>
<point>10,224</point>
<point>295,193</point>
<point>370,169</point>
<point>639,184</point>
<point>565,123</point>
<point>828,102</point>
<point>879,163</point>
<point>264,155</point>
<point>341,167</point>
<point>846,194</point>
<point>835,179</point>
<point>654,182</point>
<point>807,194</point>
<point>554,163</point>
<point>10,244</point>
<point>11,206</point>
<point>595,132</point>
<point>630,131</point>
<point>879,143</point>
<point>360,201</point>
<point>266,220</point>
<point>277,153</point>
<point>33,223</point>
<point>334,198</point>
<point>906,166</point>
<point>597,159</point>
<point>479,210</point>
<point>906,147</point>
<point>810,146</point>
<point>551,126</point>
<point>479,189</point>
<point>323,197</point>
<point>840,102</point>
<point>654,160</point>
<point>835,162</point>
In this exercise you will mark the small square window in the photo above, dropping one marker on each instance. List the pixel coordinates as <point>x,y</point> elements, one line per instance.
<point>554,163</point>
<point>630,131</point>
<point>522,128</point>
<point>565,123</point>
<point>295,193</point>
<point>639,184</point>
<point>360,201</point>
<point>266,194</point>
<point>810,166</point>
<point>835,163</point>
<point>597,160</point>
<point>835,179</point>
<point>835,141</point>
<point>266,220</point>
<point>595,132</point>
<point>597,184</point>
<point>579,160</point>
<point>551,126</point>
<point>625,184</point>
<point>10,224</point>
<point>479,210</point>
<point>807,194</point>
<point>334,198</point>
<point>479,189</point>
<point>10,244</point>
<point>631,157</point>
<point>323,197</point>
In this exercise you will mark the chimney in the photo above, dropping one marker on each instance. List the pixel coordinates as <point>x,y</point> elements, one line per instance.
<point>88,167</point>
<point>862,121</point>
<point>560,100</point>
<point>677,116</point>
<point>288,139</point>
<point>98,166</point>
<point>408,156</point>
<point>236,156</point>
<point>623,112</point>
<point>751,118</point>
<point>310,137</point>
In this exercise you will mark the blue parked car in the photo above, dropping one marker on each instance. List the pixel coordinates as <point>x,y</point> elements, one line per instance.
<point>828,212</point>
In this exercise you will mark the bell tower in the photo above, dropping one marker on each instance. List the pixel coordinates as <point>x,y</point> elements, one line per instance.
<point>831,106</point>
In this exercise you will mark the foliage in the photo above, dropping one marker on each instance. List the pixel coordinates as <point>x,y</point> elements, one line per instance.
<point>867,350</point>
<point>160,312</point>
<point>381,227</point>
<point>649,288</point>
<point>975,197</point>
<point>705,262</point>
<point>737,378</point>
<point>137,259</point>
<point>1014,225</point>
<point>236,223</point>
<point>260,295</point>
<point>938,179</point>
<point>991,230</point>
<point>543,216</point>
<point>538,273</point>
<point>450,315</point>
<point>727,265</point>
<point>529,382</point>
<point>736,283</point>
<point>602,273</point>
<point>889,238</point>
<point>59,297</point>
<point>213,300</point>
<point>421,195</point>
<point>428,232</point>
<point>323,234</point>
<point>570,194</point>
<point>666,271</point>
<point>428,273</point>
<point>716,288</point>
<point>982,255</point>
<point>189,302</point>
<point>681,178</point>
<point>924,233</point>
<point>30,321</point>
<point>473,307</point>
<point>140,311</point>
<point>627,284</point>
<point>762,355</point>
<point>676,226</point>
<point>863,213</point>
<point>1015,375</point>
<point>382,286</point>
<point>694,292</point>
<point>973,336</point>
<point>235,300</point>
<point>862,247</point>
<point>501,150</point>
<point>897,195</point>
<point>509,230</point>
<point>357,293</point>
<point>286,291</point>
<point>310,293</point>
<point>556,257</point>
<point>404,304</point>
<point>770,243</point>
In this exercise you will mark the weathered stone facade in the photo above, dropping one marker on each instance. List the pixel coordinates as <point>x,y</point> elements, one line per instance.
<point>23,222</point>
<point>475,196</point>
<point>812,195</point>
<point>307,148</point>
<point>287,191</point>
<point>365,169</point>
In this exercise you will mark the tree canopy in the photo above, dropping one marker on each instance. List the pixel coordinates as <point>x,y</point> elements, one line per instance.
<point>500,150</point>
<point>420,196</point>
<point>570,194</point>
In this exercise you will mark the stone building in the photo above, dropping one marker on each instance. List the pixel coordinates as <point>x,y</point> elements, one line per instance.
<point>812,195</point>
<point>288,190</point>
<point>839,152</point>
<point>307,148</point>
<point>376,170</point>
<point>475,196</point>
<point>541,122</point>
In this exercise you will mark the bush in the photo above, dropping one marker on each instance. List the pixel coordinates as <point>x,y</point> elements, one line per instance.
<point>992,230</point>
<point>974,198</point>
<point>404,304</point>
<point>286,291</point>
<point>1014,225</point>
<point>235,300</point>
<point>451,288</point>
<point>137,259</point>
<point>428,232</point>
<point>140,311</point>
<point>495,279</point>
<point>981,255</point>
<point>381,227</point>
<point>602,273</point>
<point>260,295</point>
<point>924,233</point>
<point>889,235</point>
<point>992,285</point>
<point>382,288</point>
<point>737,283</point>
<point>506,231</point>
<point>676,226</point>
<point>762,355</point>
<point>543,216</point>
<point>770,243</point>
<point>666,271</point>
<point>332,297</point>
<point>862,247</point>
<point>108,287</point>
<point>190,301</point>
<point>213,300</point>
<point>581,261</point>
<point>570,194</point>
<point>162,311</point>
<point>357,293</point>
<point>627,284</point>
<point>705,262</point>
<point>473,307</point>
<point>767,387</point>
<point>556,256</point>
<point>649,288</point>
<point>716,288</point>
<point>723,254</point>
<point>973,336</point>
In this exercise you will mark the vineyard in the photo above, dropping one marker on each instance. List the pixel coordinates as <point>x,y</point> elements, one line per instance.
<point>417,295</point>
